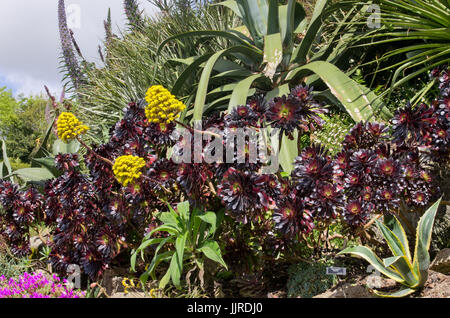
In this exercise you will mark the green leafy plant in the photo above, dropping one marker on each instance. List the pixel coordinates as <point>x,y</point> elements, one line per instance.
<point>22,123</point>
<point>12,266</point>
<point>401,267</point>
<point>131,62</point>
<point>275,47</point>
<point>419,32</point>
<point>190,239</point>
<point>42,166</point>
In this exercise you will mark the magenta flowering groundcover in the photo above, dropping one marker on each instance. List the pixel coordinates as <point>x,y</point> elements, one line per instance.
<point>36,285</point>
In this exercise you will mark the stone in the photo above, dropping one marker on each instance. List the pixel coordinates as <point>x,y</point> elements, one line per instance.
<point>35,243</point>
<point>436,286</point>
<point>441,262</point>
<point>346,291</point>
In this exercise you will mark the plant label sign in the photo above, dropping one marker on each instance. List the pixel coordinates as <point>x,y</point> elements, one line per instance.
<point>336,271</point>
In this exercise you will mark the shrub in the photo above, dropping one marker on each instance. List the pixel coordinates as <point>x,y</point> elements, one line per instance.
<point>98,221</point>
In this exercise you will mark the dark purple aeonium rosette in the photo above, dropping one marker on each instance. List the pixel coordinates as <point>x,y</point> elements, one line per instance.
<point>242,194</point>
<point>291,217</point>
<point>290,113</point>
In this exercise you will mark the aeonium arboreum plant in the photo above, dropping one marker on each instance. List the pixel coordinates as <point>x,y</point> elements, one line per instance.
<point>190,238</point>
<point>401,267</point>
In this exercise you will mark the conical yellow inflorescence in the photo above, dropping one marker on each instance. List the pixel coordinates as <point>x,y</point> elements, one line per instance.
<point>127,169</point>
<point>69,127</point>
<point>162,106</point>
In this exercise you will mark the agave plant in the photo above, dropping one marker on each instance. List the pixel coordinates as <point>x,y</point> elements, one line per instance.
<point>419,29</point>
<point>401,267</point>
<point>275,47</point>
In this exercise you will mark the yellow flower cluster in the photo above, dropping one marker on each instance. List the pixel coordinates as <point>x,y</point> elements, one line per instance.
<point>69,127</point>
<point>162,106</point>
<point>127,169</point>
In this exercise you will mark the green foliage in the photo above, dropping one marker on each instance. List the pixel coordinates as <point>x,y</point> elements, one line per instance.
<point>8,104</point>
<point>308,279</point>
<point>190,239</point>
<point>133,63</point>
<point>418,32</point>
<point>42,166</point>
<point>333,132</point>
<point>22,123</point>
<point>11,266</point>
<point>401,267</point>
<point>265,54</point>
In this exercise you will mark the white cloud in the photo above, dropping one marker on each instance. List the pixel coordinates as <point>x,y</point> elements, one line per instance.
<point>27,85</point>
<point>29,56</point>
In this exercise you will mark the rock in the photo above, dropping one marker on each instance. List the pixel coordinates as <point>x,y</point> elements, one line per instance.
<point>359,289</point>
<point>35,243</point>
<point>437,286</point>
<point>346,291</point>
<point>441,262</point>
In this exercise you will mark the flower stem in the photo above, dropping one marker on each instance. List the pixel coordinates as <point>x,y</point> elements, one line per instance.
<point>93,152</point>
<point>198,131</point>
<point>372,221</point>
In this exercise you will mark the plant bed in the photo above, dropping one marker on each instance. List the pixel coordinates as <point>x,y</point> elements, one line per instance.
<point>243,180</point>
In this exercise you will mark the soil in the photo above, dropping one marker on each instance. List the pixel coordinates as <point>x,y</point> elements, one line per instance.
<point>437,286</point>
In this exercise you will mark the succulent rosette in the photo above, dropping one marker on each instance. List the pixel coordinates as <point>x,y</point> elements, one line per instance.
<point>365,136</point>
<point>291,217</point>
<point>194,178</point>
<point>326,201</point>
<point>258,104</point>
<point>413,122</point>
<point>241,195</point>
<point>297,111</point>
<point>303,93</point>
<point>161,134</point>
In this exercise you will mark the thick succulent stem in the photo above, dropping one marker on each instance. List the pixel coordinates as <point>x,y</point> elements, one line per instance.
<point>88,148</point>
<point>210,133</point>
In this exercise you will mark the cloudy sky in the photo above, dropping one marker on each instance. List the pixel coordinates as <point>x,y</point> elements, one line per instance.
<point>30,49</point>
